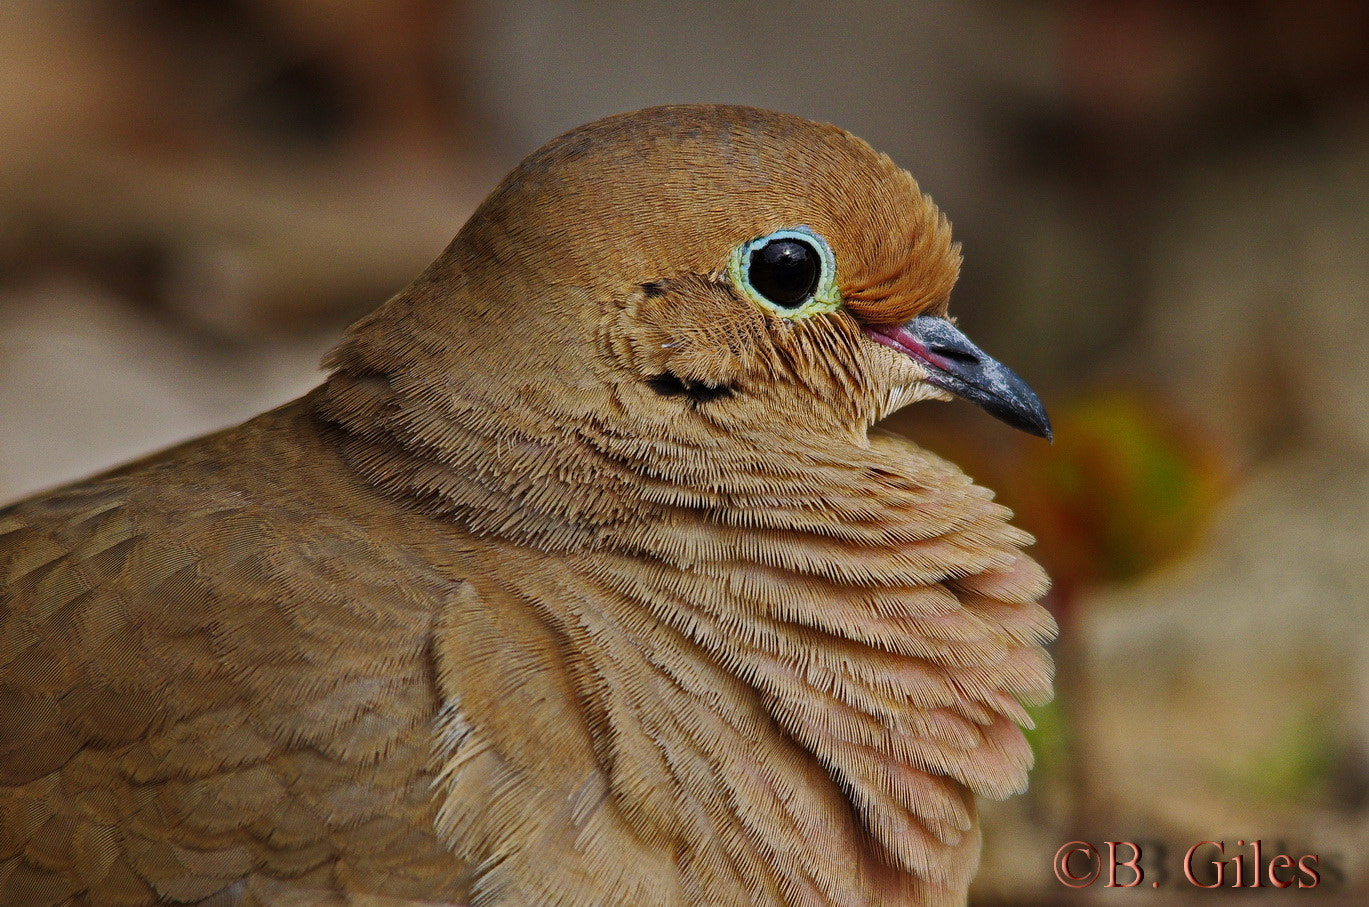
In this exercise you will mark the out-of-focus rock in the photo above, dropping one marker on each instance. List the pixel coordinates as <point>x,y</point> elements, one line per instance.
<point>85,383</point>
<point>1230,691</point>
<point>231,251</point>
<point>1261,312</point>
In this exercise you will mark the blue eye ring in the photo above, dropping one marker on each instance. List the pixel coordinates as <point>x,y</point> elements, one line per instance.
<point>824,296</point>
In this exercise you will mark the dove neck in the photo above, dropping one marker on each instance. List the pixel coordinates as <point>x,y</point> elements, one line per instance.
<point>515,472</point>
<point>859,619</point>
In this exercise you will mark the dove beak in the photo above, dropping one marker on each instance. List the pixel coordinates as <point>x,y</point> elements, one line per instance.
<point>955,364</point>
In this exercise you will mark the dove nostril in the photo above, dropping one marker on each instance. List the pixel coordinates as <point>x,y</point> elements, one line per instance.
<point>955,354</point>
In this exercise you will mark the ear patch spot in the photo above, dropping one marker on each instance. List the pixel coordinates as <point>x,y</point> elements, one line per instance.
<point>669,384</point>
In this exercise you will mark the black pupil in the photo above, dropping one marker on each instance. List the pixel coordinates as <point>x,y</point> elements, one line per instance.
<point>785,271</point>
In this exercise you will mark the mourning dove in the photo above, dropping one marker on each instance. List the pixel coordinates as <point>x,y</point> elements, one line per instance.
<point>583,579</point>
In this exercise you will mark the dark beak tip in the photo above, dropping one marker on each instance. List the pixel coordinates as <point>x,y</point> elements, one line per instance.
<point>956,365</point>
<point>1008,398</point>
<point>1029,417</point>
<point>1039,423</point>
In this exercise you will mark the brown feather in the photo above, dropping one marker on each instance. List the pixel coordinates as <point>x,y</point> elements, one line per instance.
<point>505,614</point>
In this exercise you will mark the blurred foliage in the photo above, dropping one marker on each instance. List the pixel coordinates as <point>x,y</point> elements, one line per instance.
<point>1050,738</point>
<point>1293,768</point>
<point>1128,484</point>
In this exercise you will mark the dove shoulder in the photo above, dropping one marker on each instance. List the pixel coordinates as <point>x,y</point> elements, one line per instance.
<point>215,663</point>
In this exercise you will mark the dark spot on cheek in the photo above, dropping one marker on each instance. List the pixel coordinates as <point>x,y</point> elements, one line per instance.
<point>653,288</point>
<point>669,384</point>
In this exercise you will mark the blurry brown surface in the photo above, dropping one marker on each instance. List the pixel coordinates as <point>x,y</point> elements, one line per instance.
<point>196,198</point>
<point>1164,205</point>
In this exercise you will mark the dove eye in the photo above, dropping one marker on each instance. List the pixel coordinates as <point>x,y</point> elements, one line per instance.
<point>790,272</point>
<point>785,271</point>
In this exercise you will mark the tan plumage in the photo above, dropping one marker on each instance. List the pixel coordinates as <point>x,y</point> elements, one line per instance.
<point>582,580</point>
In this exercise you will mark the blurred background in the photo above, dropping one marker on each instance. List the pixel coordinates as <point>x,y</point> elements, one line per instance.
<point>1164,207</point>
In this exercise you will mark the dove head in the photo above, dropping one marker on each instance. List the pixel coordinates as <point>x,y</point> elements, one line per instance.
<point>687,276</point>
<point>706,265</point>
